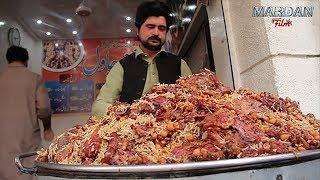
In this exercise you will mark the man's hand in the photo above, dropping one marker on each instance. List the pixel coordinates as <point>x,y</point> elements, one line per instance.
<point>48,135</point>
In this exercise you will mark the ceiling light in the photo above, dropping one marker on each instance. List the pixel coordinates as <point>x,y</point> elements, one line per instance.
<point>186,20</point>
<point>69,20</point>
<point>56,44</point>
<point>173,26</point>
<point>80,44</point>
<point>173,14</point>
<point>2,23</point>
<point>128,42</point>
<point>191,7</point>
<point>48,33</point>
<point>128,18</point>
<point>74,32</point>
<point>128,30</point>
<point>39,21</point>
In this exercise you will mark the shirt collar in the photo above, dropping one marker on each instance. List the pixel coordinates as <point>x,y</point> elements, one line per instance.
<point>139,51</point>
<point>16,64</point>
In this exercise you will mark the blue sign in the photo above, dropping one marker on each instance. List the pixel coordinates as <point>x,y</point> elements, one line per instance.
<point>77,97</point>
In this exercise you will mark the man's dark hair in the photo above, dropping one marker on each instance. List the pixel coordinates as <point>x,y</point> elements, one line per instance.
<point>152,8</point>
<point>16,53</point>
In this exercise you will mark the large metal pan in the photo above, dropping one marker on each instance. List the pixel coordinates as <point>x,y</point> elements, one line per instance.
<point>166,170</point>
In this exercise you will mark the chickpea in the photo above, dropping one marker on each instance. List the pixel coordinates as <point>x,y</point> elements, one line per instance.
<point>164,133</point>
<point>272,120</point>
<point>204,152</point>
<point>154,136</point>
<point>124,145</point>
<point>170,126</point>
<point>290,109</point>
<point>158,146</point>
<point>162,160</point>
<point>284,137</point>
<point>253,115</point>
<point>180,104</point>
<point>301,148</point>
<point>190,137</point>
<point>314,133</point>
<point>265,128</point>
<point>257,97</point>
<point>163,142</point>
<point>176,125</point>
<point>196,152</point>
<point>256,115</point>
<point>295,113</point>
<point>317,137</point>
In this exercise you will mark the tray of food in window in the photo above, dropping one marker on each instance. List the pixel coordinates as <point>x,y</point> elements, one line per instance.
<point>194,127</point>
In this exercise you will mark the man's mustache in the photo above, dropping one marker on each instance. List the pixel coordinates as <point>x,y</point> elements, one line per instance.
<point>154,38</point>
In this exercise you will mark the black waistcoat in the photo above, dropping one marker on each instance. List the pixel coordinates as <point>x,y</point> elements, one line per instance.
<point>135,73</point>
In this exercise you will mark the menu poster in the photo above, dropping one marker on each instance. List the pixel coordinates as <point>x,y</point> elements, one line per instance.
<point>58,94</point>
<point>76,97</point>
<point>81,96</point>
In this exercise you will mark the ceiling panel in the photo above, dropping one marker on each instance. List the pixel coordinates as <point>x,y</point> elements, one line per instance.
<point>106,21</point>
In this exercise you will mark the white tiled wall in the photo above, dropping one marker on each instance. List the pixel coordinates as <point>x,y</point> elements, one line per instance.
<point>284,61</point>
<point>299,78</point>
<point>302,37</point>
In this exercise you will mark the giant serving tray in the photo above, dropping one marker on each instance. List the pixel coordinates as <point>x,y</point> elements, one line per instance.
<point>164,170</point>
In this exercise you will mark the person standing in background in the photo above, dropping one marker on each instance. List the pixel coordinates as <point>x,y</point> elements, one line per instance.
<point>24,100</point>
<point>135,74</point>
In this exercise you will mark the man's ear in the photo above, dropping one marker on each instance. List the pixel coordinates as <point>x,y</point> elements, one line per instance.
<point>137,30</point>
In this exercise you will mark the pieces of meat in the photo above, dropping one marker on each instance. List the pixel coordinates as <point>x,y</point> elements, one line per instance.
<point>195,119</point>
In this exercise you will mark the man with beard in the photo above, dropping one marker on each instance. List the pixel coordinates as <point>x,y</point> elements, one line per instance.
<point>136,73</point>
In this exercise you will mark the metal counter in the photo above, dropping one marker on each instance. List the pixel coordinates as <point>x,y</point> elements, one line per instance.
<point>283,165</point>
